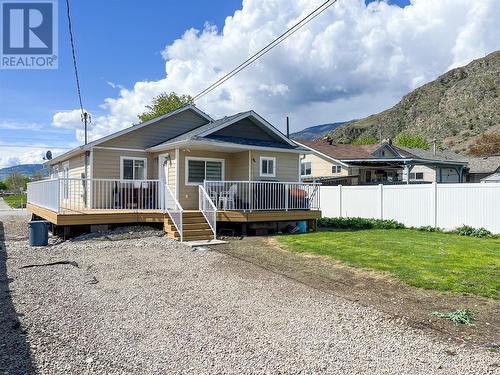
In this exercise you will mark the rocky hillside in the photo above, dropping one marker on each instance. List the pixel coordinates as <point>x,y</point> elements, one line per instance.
<point>26,170</point>
<point>454,109</point>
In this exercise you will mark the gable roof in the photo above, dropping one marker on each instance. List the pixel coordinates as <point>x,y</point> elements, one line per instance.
<point>129,129</point>
<point>487,164</point>
<point>347,152</point>
<point>495,177</point>
<point>207,133</point>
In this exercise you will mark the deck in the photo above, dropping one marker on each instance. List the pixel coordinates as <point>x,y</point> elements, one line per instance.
<point>121,216</point>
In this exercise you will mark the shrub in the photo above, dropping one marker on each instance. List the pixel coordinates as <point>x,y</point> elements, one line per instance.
<point>365,139</point>
<point>429,228</point>
<point>406,139</point>
<point>466,230</point>
<point>457,317</point>
<point>358,223</point>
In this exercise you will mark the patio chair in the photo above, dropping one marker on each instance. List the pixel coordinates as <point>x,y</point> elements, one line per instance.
<point>227,199</point>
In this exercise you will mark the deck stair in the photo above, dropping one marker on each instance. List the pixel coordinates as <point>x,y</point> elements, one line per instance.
<point>195,227</point>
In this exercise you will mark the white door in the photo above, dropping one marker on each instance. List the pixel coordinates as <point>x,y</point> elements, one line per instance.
<point>163,168</point>
<point>66,182</point>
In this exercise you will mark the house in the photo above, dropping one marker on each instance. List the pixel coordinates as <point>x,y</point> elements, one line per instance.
<point>384,163</point>
<point>186,170</point>
<point>494,178</point>
<point>481,167</point>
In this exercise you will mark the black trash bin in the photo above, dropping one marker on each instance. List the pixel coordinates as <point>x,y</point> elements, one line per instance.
<point>38,232</point>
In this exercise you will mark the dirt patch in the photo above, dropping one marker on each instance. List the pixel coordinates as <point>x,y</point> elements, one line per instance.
<point>398,300</point>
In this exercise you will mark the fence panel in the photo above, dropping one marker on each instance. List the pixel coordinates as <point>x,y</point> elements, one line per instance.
<point>477,205</point>
<point>443,205</point>
<point>411,205</point>
<point>361,201</point>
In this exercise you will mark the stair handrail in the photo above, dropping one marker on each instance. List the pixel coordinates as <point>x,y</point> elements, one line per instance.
<point>174,210</point>
<point>208,209</point>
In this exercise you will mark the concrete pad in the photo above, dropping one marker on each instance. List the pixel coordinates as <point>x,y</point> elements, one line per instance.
<point>204,243</point>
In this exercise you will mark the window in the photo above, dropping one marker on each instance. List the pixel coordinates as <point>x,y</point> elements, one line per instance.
<point>417,176</point>
<point>267,166</point>
<point>199,170</point>
<point>336,169</point>
<point>132,168</point>
<point>305,168</point>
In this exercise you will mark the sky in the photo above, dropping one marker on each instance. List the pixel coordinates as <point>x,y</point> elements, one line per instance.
<point>355,59</point>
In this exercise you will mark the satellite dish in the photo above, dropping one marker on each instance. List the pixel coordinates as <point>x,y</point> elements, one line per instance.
<point>48,155</point>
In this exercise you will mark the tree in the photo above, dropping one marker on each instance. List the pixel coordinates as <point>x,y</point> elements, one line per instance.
<point>365,139</point>
<point>406,139</point>
<point>3,186</point>
<point>37,176</point>
<point>16,182</point>
<point>165,103</point>
<point>486,145</point>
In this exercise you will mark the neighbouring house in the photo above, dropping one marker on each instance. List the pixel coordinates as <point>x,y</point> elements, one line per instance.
<point>186,170</point>
<point>493,178</point>
<point>481,167</point>
<point>384,163</point>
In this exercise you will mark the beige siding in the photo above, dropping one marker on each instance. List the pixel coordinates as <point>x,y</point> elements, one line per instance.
<point>188,195</point>
<point>429,173</point>
<point>159,132</point>
<point>237,169</point>
<point>321,167</point>
<point>106,163</point>
<point>287,166</point>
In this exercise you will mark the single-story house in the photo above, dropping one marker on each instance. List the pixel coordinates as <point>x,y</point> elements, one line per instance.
<point>384,163</point>
<point>481,167</point>
<point>184,169</point>
<point>493,178</point>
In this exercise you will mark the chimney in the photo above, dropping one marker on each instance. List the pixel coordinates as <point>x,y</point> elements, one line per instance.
<point>287,127</point>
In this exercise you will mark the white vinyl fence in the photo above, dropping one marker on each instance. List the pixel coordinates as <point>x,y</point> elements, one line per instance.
<point>439,205</point>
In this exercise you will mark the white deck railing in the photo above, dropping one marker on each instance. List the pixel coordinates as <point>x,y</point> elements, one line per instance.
<point>100,194</point>
<point>263,195</point>
<point>174,210</point>
<point>208,209</point>
<point>44,193</point>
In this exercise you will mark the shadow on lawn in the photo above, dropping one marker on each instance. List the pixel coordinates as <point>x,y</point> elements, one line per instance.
<point>15,356</point>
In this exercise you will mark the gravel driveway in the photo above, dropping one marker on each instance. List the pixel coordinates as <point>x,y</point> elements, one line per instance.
<point>154,306</point>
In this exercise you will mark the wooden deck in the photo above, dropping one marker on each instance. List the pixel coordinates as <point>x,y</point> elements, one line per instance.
<point>95,217</point>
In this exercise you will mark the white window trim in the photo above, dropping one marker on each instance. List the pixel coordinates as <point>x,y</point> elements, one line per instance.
<point>305,175</point>
<point>268,158</point>
<point>337,171</point>
<point>186,169</point>
<point>122,158</point>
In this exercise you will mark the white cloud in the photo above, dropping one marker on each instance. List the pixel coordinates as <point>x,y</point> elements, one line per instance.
<point>351,61</point>
<point>68,119</point>
<point>21,155</point>
<point>15,125</point>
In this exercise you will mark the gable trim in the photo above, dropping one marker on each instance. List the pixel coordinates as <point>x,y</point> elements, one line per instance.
<point>324,156</point>
<point>256,117</point>
<point>152,121</point>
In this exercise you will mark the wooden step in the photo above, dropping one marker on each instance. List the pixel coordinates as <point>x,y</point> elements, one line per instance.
<point>199,238</point>
<point>189,226</point>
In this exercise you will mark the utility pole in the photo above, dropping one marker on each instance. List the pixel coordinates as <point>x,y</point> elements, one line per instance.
<point>86,119</point>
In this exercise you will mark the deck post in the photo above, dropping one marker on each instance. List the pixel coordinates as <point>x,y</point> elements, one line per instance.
<point>287,196</point>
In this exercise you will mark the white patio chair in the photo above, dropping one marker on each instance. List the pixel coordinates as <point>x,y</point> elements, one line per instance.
<point>227,199</point>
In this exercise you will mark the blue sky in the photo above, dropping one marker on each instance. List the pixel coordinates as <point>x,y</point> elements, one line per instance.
<point>120,42</point>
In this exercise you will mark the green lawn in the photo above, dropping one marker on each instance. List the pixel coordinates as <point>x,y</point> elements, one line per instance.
<point>15,201</point>
<point>428,260</point>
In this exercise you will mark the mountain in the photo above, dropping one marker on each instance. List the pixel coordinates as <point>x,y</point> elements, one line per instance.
<point>313,132</point>
<point>454,109</point>
<point>25,169</point>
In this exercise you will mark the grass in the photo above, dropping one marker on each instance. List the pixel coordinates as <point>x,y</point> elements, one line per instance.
<point>15,201</point>
<point>440,261</point>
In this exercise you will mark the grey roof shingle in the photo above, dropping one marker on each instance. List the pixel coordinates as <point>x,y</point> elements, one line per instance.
<point>495,177</point>
<point>488,164</point>
<point>430,155</point>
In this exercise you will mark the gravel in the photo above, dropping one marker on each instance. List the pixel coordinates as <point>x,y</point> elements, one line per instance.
<point>152,305</point>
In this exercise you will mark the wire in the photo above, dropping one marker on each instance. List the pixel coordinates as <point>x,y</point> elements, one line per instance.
<point>74,56</point>
<point>292,30</point>
<point>38,147</point>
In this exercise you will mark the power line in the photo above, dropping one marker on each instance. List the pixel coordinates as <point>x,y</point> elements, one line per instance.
<point>85,116</point>
<point>70,27</point>
<point>37,147</point>
<point>292,30</point>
